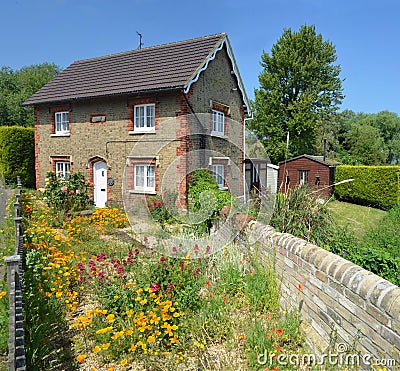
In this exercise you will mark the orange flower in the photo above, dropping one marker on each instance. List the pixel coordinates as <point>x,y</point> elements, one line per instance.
<point>81,357</point>
<point>225,299</point>
<point>208,283</point>
<point>300,286</point>
<point>96,349</point>
<point>279,332</point>
<point>279,349</point>
<point>267,317</point>
<point>268,335</point>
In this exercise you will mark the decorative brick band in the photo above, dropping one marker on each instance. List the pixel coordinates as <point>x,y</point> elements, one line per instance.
<point>333,294</point>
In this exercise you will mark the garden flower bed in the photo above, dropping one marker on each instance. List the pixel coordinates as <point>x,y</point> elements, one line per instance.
<point>94,302</point>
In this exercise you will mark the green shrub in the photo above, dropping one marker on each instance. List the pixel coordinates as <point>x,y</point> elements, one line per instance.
<point>205,199</point>
<point>376,186</point>
<point>67,195</point>
<point>17,155</point>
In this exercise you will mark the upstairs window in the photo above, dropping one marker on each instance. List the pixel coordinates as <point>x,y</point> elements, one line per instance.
<point>144,178</point>
<point>144,117</point>
<point>63,169</point>
<point>218,122</point>
<point>61,122</point>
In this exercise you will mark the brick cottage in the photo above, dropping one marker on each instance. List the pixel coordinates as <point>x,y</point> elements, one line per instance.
<point>141,121</point>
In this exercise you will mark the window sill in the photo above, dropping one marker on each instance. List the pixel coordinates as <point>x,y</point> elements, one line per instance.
<point>141,132</point>
<point>220,135</point>
<point>135,191</point>
<point>60,135</point>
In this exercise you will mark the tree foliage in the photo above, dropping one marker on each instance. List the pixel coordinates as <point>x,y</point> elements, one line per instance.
<point>17,86</point>
<point>363,139</point>
<point>299,88</point>
<point>17,155</point>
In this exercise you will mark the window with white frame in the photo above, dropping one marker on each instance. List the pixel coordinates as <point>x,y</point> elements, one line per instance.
<point>145,178</point>
<point>218,122</point>
<point>218,172</point>
<point>61,122</point>
<point>63,169</point>
<point>144,117</point>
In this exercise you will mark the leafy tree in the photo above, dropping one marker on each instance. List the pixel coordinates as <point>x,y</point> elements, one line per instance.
<point>366,146</point>
<point>299,89</point>
<point>17,86</point>
<point>360,138</point>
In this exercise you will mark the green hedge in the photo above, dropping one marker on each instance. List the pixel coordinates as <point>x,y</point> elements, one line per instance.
<point>17,155</point>
<point>376,186</point>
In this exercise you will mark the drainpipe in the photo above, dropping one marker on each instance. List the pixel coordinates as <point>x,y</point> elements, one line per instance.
<point>244,154</point>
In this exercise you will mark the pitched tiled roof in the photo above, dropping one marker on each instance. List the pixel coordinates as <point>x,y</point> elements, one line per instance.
<point>319,159</point>
<point>168,66</point>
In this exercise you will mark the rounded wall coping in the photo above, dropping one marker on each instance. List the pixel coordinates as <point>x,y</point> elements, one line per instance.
<point>354,278</point>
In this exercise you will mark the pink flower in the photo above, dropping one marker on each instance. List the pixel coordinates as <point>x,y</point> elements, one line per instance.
<point>63,188</point>
<point>78,191</point>
<point>155,287</point>
<point>71,192</point>
<point>162,259</point>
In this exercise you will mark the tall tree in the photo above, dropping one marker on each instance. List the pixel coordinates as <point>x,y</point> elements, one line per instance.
<point>299,89</point>
<point>17,86</point>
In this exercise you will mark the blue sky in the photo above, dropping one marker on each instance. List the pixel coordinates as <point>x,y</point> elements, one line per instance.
<point>366,34</point>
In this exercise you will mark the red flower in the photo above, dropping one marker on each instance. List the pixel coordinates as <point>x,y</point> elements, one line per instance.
<point>225,299</point>
<point>208,283</point>
<point>279,332</point>
<point>300,286</point>
<point>155,287</point>
<point>162,259</point>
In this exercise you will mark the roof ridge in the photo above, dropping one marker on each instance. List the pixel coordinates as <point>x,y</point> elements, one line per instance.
<point>221,35</point>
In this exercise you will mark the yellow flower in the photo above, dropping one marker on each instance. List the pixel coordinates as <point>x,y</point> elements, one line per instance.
<point>96,349</point>
<point>129,312</point>
<point>104,330</point>
<point>132,348</point>
<point>110,318</point>
<point>117,335</point>
<point>124,362</point>
<point>151,339</point>
<point>2,294</point>
<point>106,346</point>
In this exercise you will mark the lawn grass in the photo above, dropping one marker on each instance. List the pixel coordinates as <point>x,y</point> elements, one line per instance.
<point>358,219</point>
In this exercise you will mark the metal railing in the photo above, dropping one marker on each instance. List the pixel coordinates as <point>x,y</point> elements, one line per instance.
<point>15,272</point>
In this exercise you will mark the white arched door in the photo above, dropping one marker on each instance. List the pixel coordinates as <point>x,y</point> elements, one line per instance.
<point>100,183</point>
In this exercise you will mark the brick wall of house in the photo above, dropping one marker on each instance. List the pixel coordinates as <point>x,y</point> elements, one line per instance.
<point>217,89</point>
<point>109,141</point>
<point>333,295</point>
<point>317,171</point>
